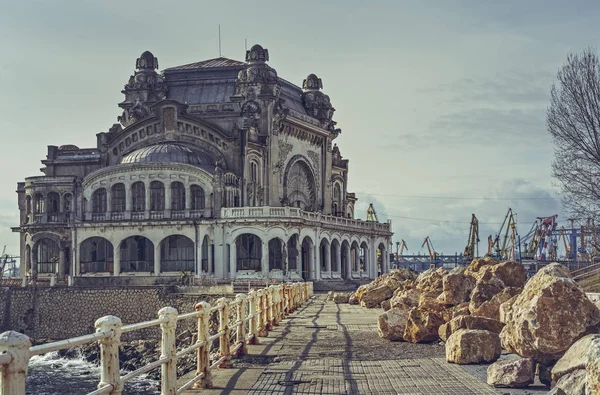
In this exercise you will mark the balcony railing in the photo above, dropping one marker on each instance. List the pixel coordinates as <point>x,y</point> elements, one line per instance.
<point>177,265</point>
<point>137,215</point>
<point>117,216</point>
<point>293,212</point>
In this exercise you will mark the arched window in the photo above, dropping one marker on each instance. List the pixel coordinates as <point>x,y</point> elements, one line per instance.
<point>138,196</point>
<point>249,252</point>
<point>253,171</point>
<point>47,255</point>
<point>337,200</point>
<point>53,203</point>
<point>38,203</point>
<point>137,254</point>
<point>198,198</point>
<point>157,196</point>
<point>117,203</point>
<point>177,196</point>
<point>67,202</point>
<point>99,201</point>
<point>96,255</point>
<point>177,254</point>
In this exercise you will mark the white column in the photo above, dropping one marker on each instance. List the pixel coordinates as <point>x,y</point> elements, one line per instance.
<point>328,258</point>
<point>317,262</point>
<point>157,259</point>
<point>338,257</point>
<point>168,200</point>
<point>199,257</point>
<point>209,259</point>
<point>116,259</point>
<point>147,200</point>
<point>348,264</point>
<point>373,262</point>
<point>232,261</point>
<point>264,262</point>
<point>188,197</point>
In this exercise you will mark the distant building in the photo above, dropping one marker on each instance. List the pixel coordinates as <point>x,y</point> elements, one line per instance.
<point>220,168</point>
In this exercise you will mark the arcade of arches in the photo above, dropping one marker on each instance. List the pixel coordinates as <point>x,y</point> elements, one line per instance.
<point>247,256</point>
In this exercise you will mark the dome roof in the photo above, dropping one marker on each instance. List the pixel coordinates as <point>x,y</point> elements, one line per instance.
<point>168,153</point>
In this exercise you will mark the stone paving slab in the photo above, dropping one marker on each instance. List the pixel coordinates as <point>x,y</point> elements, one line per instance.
<point>326,348</point>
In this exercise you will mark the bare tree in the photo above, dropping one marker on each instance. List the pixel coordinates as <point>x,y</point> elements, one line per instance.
<point>573,120</point>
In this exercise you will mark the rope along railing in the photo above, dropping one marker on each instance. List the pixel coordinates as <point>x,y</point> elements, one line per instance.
<point>254,313</point>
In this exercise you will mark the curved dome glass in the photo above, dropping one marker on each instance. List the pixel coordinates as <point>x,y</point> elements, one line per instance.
<point>168,153</point>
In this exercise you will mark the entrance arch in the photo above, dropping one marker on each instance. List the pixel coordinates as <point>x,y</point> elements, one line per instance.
<point>137,254</point>
<point>177,254</point>
<point>325,256</point>
<point>306,254</point>
<point>275,254</point>
<point>365,262</point>
<point>335,256</point>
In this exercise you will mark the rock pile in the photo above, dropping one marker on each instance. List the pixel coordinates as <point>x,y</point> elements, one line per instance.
<point>434,304</point>
<point>548,321</point>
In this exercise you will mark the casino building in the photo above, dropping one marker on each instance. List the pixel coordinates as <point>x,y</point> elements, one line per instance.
<point>219,169</point>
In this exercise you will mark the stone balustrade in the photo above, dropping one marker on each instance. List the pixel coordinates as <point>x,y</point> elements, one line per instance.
<point>293,212</point>
<point>255,314</point>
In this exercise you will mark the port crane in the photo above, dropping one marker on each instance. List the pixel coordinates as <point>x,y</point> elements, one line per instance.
<point>402,246</point>
<point>472,248</point>
<point>8,264</point>
<point>432,254</point>
<point>509,229</point>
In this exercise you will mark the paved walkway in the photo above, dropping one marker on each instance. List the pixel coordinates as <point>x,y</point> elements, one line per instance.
<point>325,348</point>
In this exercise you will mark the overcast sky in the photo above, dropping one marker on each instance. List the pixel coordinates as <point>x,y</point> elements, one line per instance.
<point>434,98</point>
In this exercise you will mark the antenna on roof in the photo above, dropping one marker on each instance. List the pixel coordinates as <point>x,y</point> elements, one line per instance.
<point>219,40</point>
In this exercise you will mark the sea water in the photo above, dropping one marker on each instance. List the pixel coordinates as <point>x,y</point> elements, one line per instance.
<point>50,374</point>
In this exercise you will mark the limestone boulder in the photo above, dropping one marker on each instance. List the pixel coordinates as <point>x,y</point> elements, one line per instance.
<point>485,290</point>
<point>353,299</point>
<point>549,315</point>
<point>593,368</point>
<point>392,324</point>
<point>404,275</point>
<point>512,274</point>
<point>430,282</point>
<point>557,391</point>
<point>477,264</point>
<point>491,308</point>
<point>516,373</point>
<point>456,288</point>
<point>467,346</point>
<point>435,306</point>
<point>392,283</point>
<point>422,326</point>
<point>373,297</point>
<point>341,297</point>
<point>504,309</point>
<point>385,305</point>
<point>573,383</point>
<point>461,309</point>
<point>575,358</point>
<point>407,298</point>
<point>469,322</point>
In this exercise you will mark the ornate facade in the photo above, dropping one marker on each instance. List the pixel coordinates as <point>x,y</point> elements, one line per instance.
<point>220,168</point>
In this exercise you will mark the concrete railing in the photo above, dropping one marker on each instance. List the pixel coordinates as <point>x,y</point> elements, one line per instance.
<point>293,212</point>
<point>255,314</point>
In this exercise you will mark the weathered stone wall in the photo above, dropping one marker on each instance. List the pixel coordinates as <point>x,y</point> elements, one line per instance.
<point>62,312</point>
